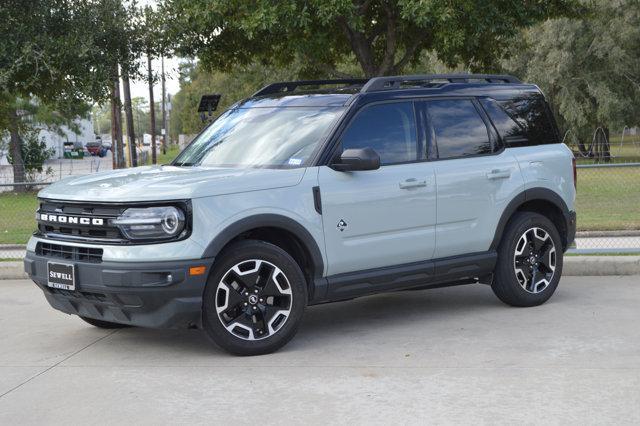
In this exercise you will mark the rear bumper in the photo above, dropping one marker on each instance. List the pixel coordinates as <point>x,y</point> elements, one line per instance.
<point>150,294</point>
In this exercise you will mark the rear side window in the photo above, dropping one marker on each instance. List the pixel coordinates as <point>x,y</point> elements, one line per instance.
<point>390,129</point>
<point>522,122</point>
<point>458,129</point>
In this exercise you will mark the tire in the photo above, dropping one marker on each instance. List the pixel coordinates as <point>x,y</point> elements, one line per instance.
<point>529,262</point>
<point>103,324</point>
<point>254,299</point>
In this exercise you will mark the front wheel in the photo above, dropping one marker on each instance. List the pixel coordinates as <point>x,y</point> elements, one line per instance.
<point>529,261</point>
<point>254,299</point>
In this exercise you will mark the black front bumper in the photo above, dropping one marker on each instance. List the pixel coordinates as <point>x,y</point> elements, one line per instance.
<point>151,294</point>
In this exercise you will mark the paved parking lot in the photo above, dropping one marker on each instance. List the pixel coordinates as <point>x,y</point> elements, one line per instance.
<point>453,355</point>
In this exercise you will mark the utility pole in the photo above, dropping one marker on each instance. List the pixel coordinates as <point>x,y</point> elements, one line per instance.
<point>133,154</point>
<point>152,111</point>
<point>117,151</point>
<point>164,111</point>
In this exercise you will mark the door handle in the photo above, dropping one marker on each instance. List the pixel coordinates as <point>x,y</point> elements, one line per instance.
<point>412,183</point>
<point>499,174</point>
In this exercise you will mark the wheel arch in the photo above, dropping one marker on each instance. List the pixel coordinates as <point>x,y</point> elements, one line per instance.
<point>538,200</point>
<point>282,231</point>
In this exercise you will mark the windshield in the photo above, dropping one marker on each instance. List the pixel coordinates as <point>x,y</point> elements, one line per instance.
<point>261,137</point>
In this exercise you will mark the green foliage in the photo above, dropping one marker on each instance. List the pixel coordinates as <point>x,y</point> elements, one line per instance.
<point>34,153</point>
<point>235,85</point>
<point>383,36</point>
<point>589,68</point>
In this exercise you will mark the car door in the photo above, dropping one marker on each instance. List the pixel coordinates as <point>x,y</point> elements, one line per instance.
<point>380,217</point>
<point>476,177</point>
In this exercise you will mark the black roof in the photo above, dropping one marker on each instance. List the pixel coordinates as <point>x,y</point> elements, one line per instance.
<point>343,91</point>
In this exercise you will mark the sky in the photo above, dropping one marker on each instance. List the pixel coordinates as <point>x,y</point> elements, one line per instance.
<point>141,88</point>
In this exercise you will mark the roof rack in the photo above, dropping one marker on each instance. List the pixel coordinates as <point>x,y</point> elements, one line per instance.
<point>394,82</point>
<point>290,86</point>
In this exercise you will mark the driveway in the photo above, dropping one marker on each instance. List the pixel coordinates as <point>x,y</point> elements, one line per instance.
<point>453,355</point>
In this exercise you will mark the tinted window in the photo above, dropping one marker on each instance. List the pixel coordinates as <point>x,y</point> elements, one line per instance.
<point>389,129</point>
<point>524,121</point>
<point>458,128</point>
<point>509,130</point>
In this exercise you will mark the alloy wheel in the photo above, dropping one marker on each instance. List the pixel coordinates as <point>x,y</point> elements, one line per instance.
<point>534,260</point>
<point>253,299</point>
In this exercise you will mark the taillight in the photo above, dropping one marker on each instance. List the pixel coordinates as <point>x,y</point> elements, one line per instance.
<point>575,173</point>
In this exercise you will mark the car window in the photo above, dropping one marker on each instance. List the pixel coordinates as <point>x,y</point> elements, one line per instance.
<point>390,129</point>
<point>524,121</point>
<point>458,128</point>
<point>511,132</point>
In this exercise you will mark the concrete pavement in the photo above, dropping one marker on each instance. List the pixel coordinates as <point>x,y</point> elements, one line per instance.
<point>443,356</point>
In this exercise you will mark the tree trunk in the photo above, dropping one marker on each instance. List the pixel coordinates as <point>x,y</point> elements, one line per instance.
<point>16,153</point>
<point>129,114</point>
<point>164,113</point>
<point>152,112</point>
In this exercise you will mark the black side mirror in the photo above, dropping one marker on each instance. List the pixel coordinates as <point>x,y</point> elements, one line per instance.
<point>357,159</point>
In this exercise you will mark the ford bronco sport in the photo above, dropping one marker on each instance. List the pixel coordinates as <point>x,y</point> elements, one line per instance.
<point>317,191</point>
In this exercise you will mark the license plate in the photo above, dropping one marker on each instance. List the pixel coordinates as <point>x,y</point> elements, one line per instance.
<point>61,275</point>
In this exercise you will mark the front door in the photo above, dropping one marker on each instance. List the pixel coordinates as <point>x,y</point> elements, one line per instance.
<point>381,217</point>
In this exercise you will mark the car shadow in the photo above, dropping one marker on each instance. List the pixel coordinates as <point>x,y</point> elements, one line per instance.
<point>334,321</point>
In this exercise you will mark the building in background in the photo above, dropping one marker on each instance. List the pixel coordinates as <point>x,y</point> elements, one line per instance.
<point>56,140</point>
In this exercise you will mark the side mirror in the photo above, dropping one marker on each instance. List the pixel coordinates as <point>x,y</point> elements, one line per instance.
<point>357,159</point>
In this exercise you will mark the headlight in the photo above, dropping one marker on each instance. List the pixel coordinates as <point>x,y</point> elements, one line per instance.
<point>151,223</point>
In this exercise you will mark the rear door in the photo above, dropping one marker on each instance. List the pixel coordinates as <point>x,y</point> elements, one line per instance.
<point>381,217</point>
<point>476,177</point>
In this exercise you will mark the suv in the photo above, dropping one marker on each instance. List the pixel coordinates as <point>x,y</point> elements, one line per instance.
<point>312,192</point>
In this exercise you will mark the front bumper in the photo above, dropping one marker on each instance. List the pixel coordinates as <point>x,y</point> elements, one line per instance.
<point>149,294</point>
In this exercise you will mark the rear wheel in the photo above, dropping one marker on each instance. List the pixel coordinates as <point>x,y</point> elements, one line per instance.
<point>529,261</point>
<point>255,298</point>
<point>103,324</point>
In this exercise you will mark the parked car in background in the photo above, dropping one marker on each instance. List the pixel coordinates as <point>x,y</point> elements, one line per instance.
<point>94,148</point>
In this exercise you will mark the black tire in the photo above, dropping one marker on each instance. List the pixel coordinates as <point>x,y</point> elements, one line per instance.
<point>528,270</point>
<point>103,324</point>
<point>249,309</point>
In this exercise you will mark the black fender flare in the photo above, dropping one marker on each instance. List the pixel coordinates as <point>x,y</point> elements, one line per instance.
<point>531,194</point>
<point>273,221</point>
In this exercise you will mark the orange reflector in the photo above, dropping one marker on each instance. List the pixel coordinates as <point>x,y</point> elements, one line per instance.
<point>197,270</point>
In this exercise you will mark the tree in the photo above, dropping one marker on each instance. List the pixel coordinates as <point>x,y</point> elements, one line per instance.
<point>240,82</point>
<point>589,69</point>
<point>384,36</point>
<point>46,60</point>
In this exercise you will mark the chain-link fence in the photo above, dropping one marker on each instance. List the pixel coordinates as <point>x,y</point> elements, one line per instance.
<point>608,203</point>
<point>608,208</point>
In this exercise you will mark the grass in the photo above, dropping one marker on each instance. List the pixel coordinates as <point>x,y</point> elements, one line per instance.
<point>172,152</point>
<point>17,217</point>
<point>608,199</point>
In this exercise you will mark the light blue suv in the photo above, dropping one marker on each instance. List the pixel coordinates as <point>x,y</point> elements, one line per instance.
<point>317,191</point>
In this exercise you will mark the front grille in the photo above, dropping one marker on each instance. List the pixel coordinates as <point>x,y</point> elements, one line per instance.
<point>73,215</point>
<point>60,251</point>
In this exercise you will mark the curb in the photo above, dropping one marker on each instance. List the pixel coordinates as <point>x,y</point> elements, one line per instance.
<point>601,265</point>
<point>573,266</point>
<point>12,270</point>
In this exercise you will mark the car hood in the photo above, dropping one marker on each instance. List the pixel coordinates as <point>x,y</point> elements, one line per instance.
<point>168,183</point>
